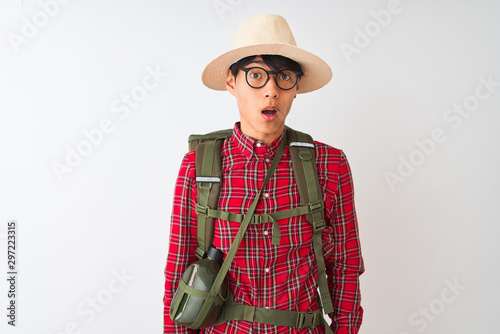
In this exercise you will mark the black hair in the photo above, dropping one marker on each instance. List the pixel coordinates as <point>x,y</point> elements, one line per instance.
<point>275,62</point>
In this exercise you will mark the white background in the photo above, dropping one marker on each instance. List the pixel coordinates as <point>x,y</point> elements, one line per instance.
<point>438,225</point>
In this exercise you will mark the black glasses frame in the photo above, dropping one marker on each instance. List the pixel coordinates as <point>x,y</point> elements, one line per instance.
<point>246,70</point>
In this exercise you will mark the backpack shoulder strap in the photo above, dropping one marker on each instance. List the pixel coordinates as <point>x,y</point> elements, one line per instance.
<point>208,182</point>
<point>302,152</point>
<point>195,139</point>
<point>303,157</point>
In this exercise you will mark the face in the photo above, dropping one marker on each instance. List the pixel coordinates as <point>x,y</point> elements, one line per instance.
<point>262,111</point>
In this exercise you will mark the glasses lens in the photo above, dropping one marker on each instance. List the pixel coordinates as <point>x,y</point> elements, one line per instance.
<point>256,77</point>
<point>286,79</point>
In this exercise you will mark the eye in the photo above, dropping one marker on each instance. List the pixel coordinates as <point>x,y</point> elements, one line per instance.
<point>284,77</point>
<point>255,75</point>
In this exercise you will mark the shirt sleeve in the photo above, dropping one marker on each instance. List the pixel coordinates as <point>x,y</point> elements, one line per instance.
<point>342,250</point>
<point>183,241</point>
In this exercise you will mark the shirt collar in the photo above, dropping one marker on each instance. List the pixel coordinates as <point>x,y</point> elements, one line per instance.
<point>252,147</point>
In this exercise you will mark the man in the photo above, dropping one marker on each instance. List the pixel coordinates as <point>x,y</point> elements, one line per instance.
<point>265,71</point>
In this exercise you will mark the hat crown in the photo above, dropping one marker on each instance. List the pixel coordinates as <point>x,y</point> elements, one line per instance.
<point>263,29</point>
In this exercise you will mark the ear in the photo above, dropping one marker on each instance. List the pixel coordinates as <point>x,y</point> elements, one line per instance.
<point>231,83</point>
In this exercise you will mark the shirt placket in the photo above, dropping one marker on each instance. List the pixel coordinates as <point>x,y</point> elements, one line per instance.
<point>265,156</point>
<point>259,152</point>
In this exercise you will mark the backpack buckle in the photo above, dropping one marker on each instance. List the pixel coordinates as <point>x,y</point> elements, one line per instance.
<point>200,253</point>
<point>307,320</point>
<point>313,207</point>
<point>318,225</point>
<point>256,219</point>
<point>201,210</point>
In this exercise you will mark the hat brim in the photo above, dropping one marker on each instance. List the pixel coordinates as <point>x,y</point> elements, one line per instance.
<point>317,73</point>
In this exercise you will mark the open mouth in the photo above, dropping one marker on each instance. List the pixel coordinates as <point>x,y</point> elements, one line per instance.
<point>269,113</point>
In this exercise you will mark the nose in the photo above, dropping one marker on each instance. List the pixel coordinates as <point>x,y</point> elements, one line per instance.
<point>271,89</point>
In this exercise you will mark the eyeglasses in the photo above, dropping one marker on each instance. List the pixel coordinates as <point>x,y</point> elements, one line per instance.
<point>258,77</point>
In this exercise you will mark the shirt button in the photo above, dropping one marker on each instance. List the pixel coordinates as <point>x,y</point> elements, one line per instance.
<point>267,160</point>
<point>259,144</point>
<point>267,270</point>
<point>266,195</point>
<point>266,233</point>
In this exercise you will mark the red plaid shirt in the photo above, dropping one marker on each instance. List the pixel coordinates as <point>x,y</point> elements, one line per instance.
<point>280,277</point>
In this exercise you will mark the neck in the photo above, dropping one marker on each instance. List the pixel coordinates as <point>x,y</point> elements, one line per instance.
<point>265,137</point>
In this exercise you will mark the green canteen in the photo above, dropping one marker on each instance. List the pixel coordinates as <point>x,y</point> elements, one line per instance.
<point>193,289</point>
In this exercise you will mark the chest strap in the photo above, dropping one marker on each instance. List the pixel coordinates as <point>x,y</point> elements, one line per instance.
<point>262,218</point>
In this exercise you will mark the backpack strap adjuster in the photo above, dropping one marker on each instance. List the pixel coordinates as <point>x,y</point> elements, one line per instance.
<point>307,320</point>
<point>201,210</point>
<point>314,207</point>
<point>257,219</point>
<point>200,252</point>
<point>318,225</point>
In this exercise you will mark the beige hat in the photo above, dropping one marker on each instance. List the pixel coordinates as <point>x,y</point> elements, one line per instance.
<point>267,34</point>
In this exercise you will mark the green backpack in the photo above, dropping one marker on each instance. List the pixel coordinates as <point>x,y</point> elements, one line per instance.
<point>209,179</point>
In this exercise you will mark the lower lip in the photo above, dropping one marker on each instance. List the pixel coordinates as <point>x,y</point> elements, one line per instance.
<point>269,117</point>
